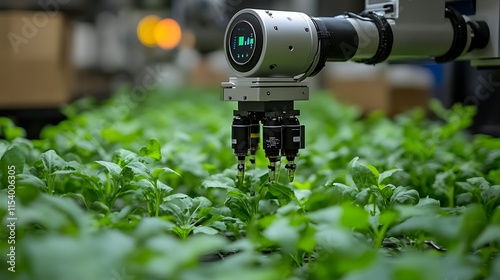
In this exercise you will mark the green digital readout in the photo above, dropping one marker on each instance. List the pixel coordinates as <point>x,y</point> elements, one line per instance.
<point>242,42</point>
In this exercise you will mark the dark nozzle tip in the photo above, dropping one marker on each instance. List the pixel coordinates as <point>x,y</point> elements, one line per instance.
<point>291,166</point>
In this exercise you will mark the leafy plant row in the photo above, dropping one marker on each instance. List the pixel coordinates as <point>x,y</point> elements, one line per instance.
<point>147,190</point>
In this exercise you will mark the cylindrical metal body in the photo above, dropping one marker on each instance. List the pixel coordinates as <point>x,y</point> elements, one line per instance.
<point>240,136</point>
<point>410,40</point>
<point>272,137</point>
<point>263,43</point>
<point>286,43</point>
<point>421,40</point>
<point>292,137</point>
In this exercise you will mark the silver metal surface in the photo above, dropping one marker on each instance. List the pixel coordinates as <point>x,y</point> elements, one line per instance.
<point>368,38</point>
<point>264,89</point>
<point>421,30</point>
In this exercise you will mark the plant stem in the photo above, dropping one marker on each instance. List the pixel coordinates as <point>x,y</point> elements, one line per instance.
<point>157,198</point>
<point>157,206</point>
<point>381,235</point>
<point>451,196</point>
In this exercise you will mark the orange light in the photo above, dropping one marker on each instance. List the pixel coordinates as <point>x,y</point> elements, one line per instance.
<point>145,30</point>
<point>167,33</point>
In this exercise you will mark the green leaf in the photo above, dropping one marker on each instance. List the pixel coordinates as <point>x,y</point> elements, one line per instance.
<point>113,169</point>
<point>354,217</point>
<point>11,164</point>
<point>335,194</point>
<point>465,199</point>
<point>282,192</point>
<point>331,215</point>
<point>97,256</point>
<point>494,176</point>
<point>388,217</point>
<point>363,197</point>
<point>25,194</point>
<point>152,150</point>
<point>10,130</point>
<point>219,181</point>
<point>374,170</point>
<point>472,224</point>
<point>52,162</point>
<point>428,203</point>
<point>282,233</point>
<point>205,230</point>
<point>345,193</point>
<point>489,236</point>
<point>362,176</point>
<point>446,231</point>
<point>152,226</point>
<point>387,174</point>
<point>100,206</point>
<point>160,171</point>
<point>144,184</point>
<point>495,269</point>
<point>123,157</point>
<point>239,205</point>
<point>55,214</point>
<point>139,169</point>
<point>495,217</point>
<point>163,187</point>
<point>403,196</point>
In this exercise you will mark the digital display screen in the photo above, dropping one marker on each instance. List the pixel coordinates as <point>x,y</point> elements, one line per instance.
<point>242,42</point>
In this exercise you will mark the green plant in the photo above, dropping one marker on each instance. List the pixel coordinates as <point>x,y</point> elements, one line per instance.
<point>155,196</point>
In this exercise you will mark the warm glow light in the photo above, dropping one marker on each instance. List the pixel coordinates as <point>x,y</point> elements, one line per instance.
<point>167,33</point>
<point>146,30</point>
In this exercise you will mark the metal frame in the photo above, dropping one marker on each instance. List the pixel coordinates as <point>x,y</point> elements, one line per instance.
<point>264,89</point>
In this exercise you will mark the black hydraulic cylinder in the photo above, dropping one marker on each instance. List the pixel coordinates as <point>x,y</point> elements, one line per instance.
<point>272,137</point>
<point>241,136</point>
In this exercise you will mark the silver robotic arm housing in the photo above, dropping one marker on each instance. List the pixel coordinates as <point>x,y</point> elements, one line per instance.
<point>272,43</point>
<point>292,44</point>
<point>272,52</point>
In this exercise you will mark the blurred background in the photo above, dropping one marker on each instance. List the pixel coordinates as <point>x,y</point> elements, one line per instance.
<point>53,52</point>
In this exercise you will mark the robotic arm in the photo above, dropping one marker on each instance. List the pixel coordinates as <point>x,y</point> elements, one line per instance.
<point>272,52</point>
